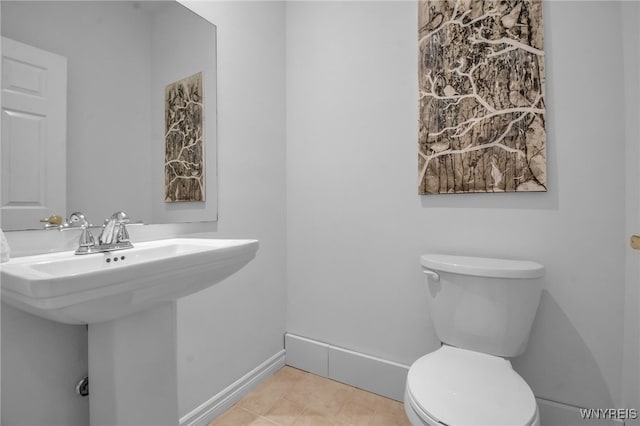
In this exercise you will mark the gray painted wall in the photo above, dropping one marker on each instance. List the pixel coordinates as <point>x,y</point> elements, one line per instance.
<point>227,330</point>
<point>356,226</point>
<point>353,223</point>
<point>631,357</point>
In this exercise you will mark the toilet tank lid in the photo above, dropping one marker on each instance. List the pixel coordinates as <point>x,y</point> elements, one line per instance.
<point>482,266</point>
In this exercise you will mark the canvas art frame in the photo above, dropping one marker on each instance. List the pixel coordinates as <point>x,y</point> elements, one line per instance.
<point>184,163</point>
<point>481,97</point>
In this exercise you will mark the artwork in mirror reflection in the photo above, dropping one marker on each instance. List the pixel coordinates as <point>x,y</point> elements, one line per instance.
<point>121,55</point>
<point>184,141</point>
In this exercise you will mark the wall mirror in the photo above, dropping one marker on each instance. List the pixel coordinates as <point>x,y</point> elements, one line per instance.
<point>111,61</point>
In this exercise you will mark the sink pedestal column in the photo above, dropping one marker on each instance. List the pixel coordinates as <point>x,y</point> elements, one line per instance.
<point>133,369</point>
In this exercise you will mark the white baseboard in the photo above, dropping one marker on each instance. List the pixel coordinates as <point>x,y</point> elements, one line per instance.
<point>363,371</point>
<point>389,378</point>
<point>223,400</point>
<point>307,354</point>
<point>367,372</point>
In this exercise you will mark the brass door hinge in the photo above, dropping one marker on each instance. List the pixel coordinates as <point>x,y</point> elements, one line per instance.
<point>635,242</point>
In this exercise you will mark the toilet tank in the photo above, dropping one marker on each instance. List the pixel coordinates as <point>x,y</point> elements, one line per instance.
<point>482,304</point>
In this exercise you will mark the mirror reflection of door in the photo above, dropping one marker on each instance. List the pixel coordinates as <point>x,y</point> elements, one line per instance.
<point>121,55</point>
<point>34,114</point>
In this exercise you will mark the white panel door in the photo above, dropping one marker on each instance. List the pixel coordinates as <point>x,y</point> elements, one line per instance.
<point>34,126</point>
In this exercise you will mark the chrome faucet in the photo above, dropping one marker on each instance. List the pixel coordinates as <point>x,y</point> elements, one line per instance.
<point>114,236</point>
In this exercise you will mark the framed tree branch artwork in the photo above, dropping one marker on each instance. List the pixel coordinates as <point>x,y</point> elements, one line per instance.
<point>184,177</point>
<point>481,97</point>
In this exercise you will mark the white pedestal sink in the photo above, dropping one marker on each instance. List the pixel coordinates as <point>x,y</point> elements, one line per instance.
<point>128,298</point>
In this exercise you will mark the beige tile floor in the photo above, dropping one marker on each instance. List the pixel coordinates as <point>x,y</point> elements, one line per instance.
<point>295,397</point>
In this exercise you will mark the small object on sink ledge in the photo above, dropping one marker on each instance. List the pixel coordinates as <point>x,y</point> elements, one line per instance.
<point>52,222</point>
<point>5,251</point>
<point>76,221</point>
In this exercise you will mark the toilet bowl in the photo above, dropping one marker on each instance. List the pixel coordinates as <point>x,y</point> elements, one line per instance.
<point>454,386</point>
<point>482,310</point>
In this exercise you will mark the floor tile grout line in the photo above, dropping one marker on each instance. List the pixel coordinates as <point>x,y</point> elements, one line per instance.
<point>287,378</point>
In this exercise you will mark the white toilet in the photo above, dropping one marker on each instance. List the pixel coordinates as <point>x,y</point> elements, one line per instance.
<point>482,310</point>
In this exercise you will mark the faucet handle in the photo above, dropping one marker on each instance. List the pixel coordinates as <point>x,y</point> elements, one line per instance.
<point>123,234</point>
<point>86,238</point>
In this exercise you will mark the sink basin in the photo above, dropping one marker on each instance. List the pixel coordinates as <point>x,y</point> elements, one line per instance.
<point>99,287</point>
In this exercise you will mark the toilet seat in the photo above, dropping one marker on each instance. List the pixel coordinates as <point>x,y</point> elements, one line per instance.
<point>457,386</point>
